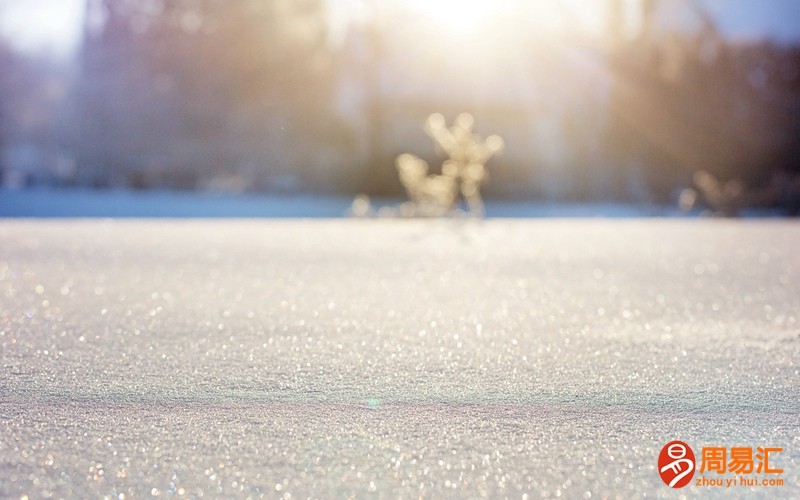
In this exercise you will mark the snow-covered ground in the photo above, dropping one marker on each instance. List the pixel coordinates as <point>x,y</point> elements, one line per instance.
<point>328,358</point>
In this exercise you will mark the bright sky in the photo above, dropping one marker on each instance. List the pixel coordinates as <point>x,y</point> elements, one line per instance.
<point>55,25</point>
<point>42,25</point>
<point>750,19</point>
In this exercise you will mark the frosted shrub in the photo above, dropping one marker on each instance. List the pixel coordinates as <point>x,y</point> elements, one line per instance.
<point>725,199</point>
<point>463,171</point>
<point>431,195</point>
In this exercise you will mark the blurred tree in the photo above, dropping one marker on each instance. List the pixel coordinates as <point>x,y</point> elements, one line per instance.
<point>32,91</point>
<point>183,92</point>
<point>5,65</point>
<point>686,101</point>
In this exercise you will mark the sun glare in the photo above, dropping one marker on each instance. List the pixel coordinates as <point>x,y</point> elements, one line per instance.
<point>459,16</point>
<point>41,24</point>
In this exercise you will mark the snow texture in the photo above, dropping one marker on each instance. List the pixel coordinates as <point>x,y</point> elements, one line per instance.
<point>441,358</point>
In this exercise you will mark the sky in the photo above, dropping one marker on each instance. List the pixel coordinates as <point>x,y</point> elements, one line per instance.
<point>42,25</point>
<point>55,25</point>
<point>752,19</point>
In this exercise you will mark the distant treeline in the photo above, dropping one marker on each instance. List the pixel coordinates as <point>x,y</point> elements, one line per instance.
<point>246,95</point>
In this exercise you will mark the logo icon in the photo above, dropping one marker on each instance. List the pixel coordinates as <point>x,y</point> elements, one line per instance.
<point>676,464</point>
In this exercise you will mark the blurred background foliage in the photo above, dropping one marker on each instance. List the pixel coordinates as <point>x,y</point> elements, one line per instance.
<point>625,102</point>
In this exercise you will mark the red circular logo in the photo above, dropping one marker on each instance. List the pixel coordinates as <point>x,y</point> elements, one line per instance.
<point>676,464</point>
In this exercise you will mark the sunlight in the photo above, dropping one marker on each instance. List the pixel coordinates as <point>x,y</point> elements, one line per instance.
<point>459,16</point>
<point>42,24</point>
<point>553,18</point>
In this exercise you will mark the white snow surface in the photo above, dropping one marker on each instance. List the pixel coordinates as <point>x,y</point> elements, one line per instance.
<point>392,358</point>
